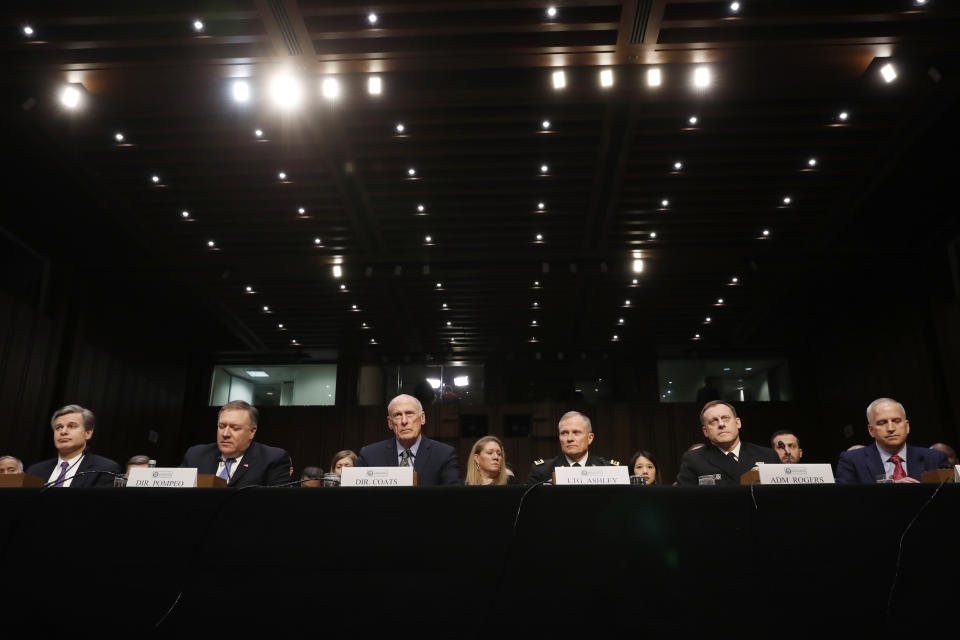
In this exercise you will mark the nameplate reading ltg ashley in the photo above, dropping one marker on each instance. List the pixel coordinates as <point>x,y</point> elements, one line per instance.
<point>591,475</point>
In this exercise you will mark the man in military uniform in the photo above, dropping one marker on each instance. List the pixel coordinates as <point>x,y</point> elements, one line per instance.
<point>576,435</point>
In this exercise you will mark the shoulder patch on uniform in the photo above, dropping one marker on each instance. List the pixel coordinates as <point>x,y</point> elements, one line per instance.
<point>615,463</point>
<point>538,462</point>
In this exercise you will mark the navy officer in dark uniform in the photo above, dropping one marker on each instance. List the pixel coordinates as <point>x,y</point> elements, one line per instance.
<point>576,435</point>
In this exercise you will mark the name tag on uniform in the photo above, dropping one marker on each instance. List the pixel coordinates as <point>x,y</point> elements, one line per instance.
<point>796,474</point>
<point>377,477</point>
<point>162,477</point>
<point>591,475</point>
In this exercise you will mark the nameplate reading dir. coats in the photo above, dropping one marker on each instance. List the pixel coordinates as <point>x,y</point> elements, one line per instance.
<point>378,477</point>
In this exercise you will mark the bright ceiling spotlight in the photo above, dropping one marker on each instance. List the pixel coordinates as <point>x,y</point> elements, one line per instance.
<point>28,30</point>
<point>551,12</point>
<point>701,77</point>
<point>301,211</point>
<point>461,381</point>
<point>421,208</point>
<point>71,96</point>
<point>374,85</point>
<point>372,18</point>
<point>155,179</point>
<point>766,233</point>
<point>317,241</point>
<point>812,162</point>
<point>428,239</point>
<point>411,172</point>
<point>544,169</point>
<point>787,200</point>
<point>211,244</point>
<point>285,90</point>
<point>653,235</point>
<point>282,175</point>
<point>734,7</point>
<point>654,77</point>
<point>606,78</point>
<point>559,79</point>
<point>399,128</point>
<point>337,271</point>
<point>330,88</point>
<point>184,214</point>
<point>118,137</point>
<point>692,120</point>
<point>842,116</point>
<point>664,203</point>
<point>545,125</point>
<point>240,91</point>
<point>198,26</point>
<point>541,206</point>
<point>638,266</point>
<point>677,166</point>
<point>888,72</point>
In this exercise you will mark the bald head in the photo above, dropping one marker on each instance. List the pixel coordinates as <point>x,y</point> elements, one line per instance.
<point>404,398</point>
<point>947,449</point>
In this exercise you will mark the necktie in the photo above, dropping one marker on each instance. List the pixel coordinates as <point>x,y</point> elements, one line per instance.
<point>575,464</point>
<point>898,472</point>
<point>225,473</point>
<point>733,457</point>
<point>63,474</point>
<point>405,458</point>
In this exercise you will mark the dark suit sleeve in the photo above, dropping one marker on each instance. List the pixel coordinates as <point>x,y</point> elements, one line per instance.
<point>278,469</point>
<point>846,471</point>
<point>449,469</point>
<point>361,459</point>
<point>687,475</point>
<point>105,479</point>
<point>540,473</point>
<point>941,460</point>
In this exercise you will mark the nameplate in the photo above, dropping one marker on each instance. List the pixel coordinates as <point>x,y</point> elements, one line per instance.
<point>796,474</point>
<point>377,477</point>
<point>162,477</point>
<point>591,475</point>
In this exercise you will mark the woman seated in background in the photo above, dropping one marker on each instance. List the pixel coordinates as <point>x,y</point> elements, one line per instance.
<point>489,463</point>
<point>341,459</point>
<point>643,464</point>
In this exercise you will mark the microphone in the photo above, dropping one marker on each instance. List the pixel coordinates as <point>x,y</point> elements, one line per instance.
<point>780,445</point>
<point>84,473</point>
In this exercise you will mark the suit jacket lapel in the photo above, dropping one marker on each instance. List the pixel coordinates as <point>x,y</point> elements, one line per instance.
<point>249,456</point>
<point>390,454</point>
<point>875,464</point>
<point>915,466</point>
<point>722,462</point>
<point>423,455</point>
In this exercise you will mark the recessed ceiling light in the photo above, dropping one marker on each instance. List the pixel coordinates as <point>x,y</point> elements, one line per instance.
<point>707,320</point>
<point>343,287</point>
<point>541,206</point>
<point>539,237</point>
<point>734,7</point>
<point>282,175</point>
<point>285,90</point>
<point>726,368</point>
<point>634,281</point>
<point>399,128</point>
<point>428,239</point>
<point>545,125</point>
<point>337,271</point>
<point>372,18</point>
<point>294,342</point>
<point>606,78</point>
<point>317,241</point>
<point>155,179</point>
<point>734,280</point>
<point>615,338</point>
<point>449,323</point>
<point>28,30</point>
<point>258,133</point>
<point>719,300</point>
<point>533,323</point>
<point>70,97</point>
<point>211,243</point>
<point>692,120</point>
<point>843,115</point>
<point>240,91</point>
<point>559,80</point>
<point>330,87</point>
<point>363,325</point>
<point>374,85</point>
<point>421,208</point>
<point>544,169</point>
<point>266,308</point>
<point>439,285</point>
<point>411,172</point>
<point>812,162</point>
<point>638,266</point>
<point>184,214</point>
<point>654,77</point>
<point>444,305</point>
<point>258,374</point>
<point>620,321</point>
<point>118,137</point>
<point>353,307</point>
<point>664,203</point>
<point>536,304</point>
<point>198,25</point>
<point>787,199</point>
<point>677,166</point>
<point>280,326</point>
<point>551,12</point>
<point>248,289</point>
<point>696,336</point>
<point>653,235</point>
<point>701,77</point>
<point>888,72</point>
<point>373,341</point>
<point>301,211</point>
<point>766,233</point>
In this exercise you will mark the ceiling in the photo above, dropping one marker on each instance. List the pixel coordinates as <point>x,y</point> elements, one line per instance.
<point>472,84</point>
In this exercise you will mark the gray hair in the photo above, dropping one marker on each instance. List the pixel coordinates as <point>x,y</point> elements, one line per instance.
<point>19,461</point>
<point>312,473</point>
<point>241,405</point>
<point>138,459</point>
<point>404,395</point>
<point>873,407</point>
<point>573,414</point>
<point>89,420</point>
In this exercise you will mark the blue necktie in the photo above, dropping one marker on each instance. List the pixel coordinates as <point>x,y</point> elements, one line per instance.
<point>225,473</point>
<point>63,474</point>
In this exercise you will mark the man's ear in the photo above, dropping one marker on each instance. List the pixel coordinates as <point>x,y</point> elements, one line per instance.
<point>87,434</point>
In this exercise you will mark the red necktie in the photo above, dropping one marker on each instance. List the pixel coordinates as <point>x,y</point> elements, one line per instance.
<point>898,472</point>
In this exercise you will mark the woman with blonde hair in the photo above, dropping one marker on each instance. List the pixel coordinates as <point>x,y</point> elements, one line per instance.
<point>341,459</point>
<point>489,464</point>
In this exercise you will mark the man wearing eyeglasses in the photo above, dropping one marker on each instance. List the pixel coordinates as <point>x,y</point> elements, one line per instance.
<point>434,462</point>
<point>726,457</point>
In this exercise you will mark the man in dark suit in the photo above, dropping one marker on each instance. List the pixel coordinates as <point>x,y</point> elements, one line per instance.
<point>235,457</point>
<point>74,466</point>
<point>434,462</point>
<point>576,436</point>
<point>726,457</point>
<point>890,457</point>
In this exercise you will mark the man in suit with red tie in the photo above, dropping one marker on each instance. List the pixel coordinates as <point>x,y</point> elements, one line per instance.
<point>891,458</point>
<point>236,457</point>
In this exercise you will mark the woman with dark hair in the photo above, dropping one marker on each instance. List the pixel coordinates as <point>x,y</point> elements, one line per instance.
<point>643,464</point>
